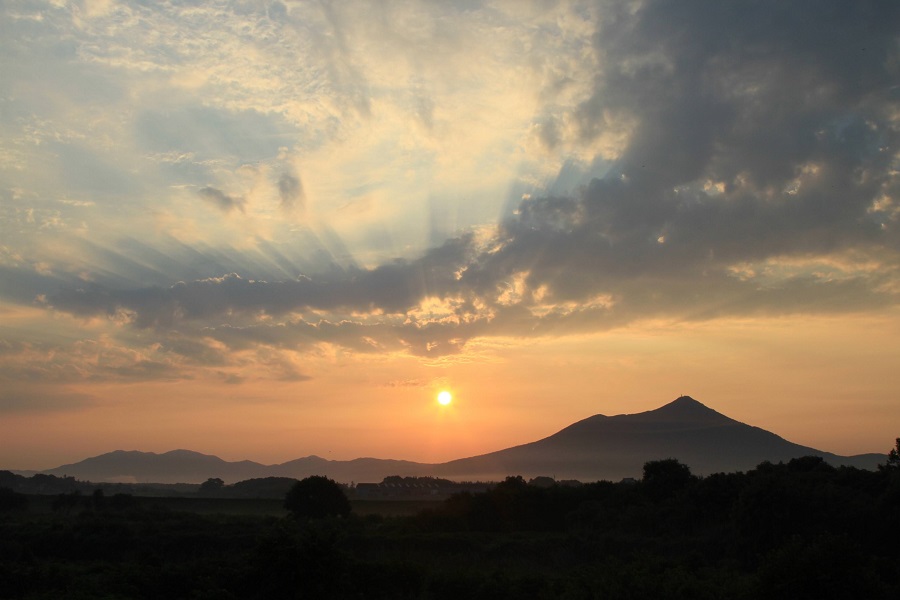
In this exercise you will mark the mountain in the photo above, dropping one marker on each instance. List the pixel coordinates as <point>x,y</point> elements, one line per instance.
<point>185,466</point>
<point>177,466</point>
<point>602,447</point>
<point>599,447</point>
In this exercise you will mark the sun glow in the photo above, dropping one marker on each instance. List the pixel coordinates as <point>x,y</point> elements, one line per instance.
<point>444,398</point>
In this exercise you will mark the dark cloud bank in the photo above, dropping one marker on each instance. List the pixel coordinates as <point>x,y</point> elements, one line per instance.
<point>759,178</point>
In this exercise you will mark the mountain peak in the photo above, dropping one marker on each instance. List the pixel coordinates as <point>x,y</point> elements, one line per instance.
<point>684,399</point>
<point>685,408</point>
<point>684,402</point>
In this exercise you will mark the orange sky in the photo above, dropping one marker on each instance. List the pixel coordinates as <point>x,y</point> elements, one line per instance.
<point>765,373</point>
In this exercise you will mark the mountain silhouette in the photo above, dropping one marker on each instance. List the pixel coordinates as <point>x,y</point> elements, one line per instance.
<point>176,466</point>
<point>602,447</point>
<point>599,447</point>
<point>185,466</point>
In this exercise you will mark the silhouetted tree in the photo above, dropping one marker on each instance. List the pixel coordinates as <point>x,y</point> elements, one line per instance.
<point>316,497</point>
<point>10,480</point>
<point>663,478</point>
<point>809,464</point>
<point>211,486</point>
<point>263,487</point>
<point>893,459</point>
<point>542,481</point>
<point>511,484</point>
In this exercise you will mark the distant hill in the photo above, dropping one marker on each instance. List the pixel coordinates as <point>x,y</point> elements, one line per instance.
<point>177,466</point>
<point>185,466</point>
<point>595,448</point>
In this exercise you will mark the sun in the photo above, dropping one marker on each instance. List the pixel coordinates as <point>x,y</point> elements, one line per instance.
<point>444,398</point>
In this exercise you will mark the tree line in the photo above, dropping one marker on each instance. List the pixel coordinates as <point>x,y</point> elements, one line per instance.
<point>800,529</point>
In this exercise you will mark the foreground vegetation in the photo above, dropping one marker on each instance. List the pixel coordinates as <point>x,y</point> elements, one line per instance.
<point>796,530</point>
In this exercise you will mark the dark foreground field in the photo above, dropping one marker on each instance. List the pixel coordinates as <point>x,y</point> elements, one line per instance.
<point>797,530</point>
<point>43,506</point>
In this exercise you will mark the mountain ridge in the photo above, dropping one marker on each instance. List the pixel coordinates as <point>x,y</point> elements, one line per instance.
<point>594,448</point>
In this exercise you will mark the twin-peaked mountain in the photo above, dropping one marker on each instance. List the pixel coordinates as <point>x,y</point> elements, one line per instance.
<point>595,448</point>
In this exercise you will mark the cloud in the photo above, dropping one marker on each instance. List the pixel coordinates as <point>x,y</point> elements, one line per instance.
<point>221,200</point>
<point>749,158</point>
<point>290,190</point>
<point>86,360</point>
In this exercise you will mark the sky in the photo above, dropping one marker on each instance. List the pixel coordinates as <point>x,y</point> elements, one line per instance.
<point>265,230</point>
